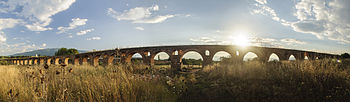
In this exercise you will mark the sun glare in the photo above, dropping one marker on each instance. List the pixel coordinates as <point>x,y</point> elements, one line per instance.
<point>240,39</point>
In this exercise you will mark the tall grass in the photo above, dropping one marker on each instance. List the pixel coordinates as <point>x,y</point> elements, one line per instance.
<point>79,83</point>
<point>321,80</point>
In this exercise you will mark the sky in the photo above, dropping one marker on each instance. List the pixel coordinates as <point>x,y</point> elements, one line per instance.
<point>312,25</point>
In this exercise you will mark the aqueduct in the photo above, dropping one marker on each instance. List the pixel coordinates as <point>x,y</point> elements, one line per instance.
<point>207,52</point>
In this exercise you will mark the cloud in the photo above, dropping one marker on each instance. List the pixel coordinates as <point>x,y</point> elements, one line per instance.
<point>17,47</point>
<point>261,1</point>
<point>2,37</point>
<point>252,41</point>
<point>139,15</point>
<point>207,40</point>
<point>139,28</point>
<point>83,32</point>
<point>323,19</point>
<point>94,38</point>
<point>38,12</point>
<point>157,19</point>
<point>290,41</point>
<point>37,26</point>
<point>75,23</point>
<point>9,23</point>
<point>43,45</point>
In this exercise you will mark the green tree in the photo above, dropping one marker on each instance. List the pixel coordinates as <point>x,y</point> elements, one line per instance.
<point>65,51</point>
<point>345,55</point>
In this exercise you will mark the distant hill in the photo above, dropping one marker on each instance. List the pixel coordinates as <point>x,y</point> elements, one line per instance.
<point>42,52</point>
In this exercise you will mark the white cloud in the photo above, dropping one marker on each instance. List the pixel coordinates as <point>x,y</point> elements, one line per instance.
<point>207,40</point>
<point>17,47</point>
<point>139,15</point>
<point>75,23</point>
<point>38,26</point>
<point>157,19</point>
<point>252,41</point>
<point>43,45</point>
<point>94,38</point>
<point>323,19</point>
<point>290,41</point>
<point>2,37</point>
<point>8,23</point>
<point>83,32</point>
<point>139,28</point>
<point>38,12</point>
<point>261,1</point>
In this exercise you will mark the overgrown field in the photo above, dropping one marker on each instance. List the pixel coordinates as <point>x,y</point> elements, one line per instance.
<point>320,80</point>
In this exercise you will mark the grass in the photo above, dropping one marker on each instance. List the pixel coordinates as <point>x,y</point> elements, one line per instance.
<point>320,80</point>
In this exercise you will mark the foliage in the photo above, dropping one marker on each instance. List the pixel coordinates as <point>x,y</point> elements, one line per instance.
<point>65,51</point>
<point>345,55</point>
<point>192,61</point>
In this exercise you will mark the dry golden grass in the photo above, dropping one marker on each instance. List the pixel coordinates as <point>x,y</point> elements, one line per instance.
<point>321,80</point>
<point>79,83</point>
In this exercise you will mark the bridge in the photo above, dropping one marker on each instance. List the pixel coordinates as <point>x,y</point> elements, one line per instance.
<point>176,53</point>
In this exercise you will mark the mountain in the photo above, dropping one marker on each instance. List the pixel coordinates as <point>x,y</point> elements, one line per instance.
<point>42,52</point>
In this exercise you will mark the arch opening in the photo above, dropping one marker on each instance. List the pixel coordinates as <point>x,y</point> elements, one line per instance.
<point>162,60</point>
<point>221,56</point>
<point>207,53</point>
<point>136,58</point>
<point>97,60</point>
<point>291,58</point>
<point>110,59</point>
<point>175,52</point>
<point>68,61</point>
<point>273,58</point>
<point>58,61</point>
<point>192,60</point>
<point>250,56</point>
<point>85,60</point>
<point>306,58</point>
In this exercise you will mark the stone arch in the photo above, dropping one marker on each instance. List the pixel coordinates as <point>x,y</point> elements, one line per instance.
<point>273,57</point>
<point>192,62</point>
<point>250,56</point>
<point>76,60</point>
<point>49,61</point>
<point>67,60</point>
<point>221,55</point>
<point>30,61</point>
<point>140,56</point>
<point>36,61</point>
<point>25,62</point>
<point>42,61</point>
<point>183,53</point>
<point>291,58</point>
<point>58,61</point>
<point>85,60</point>
<point>110,59</point>
<point>96,60</point>
<point>161,58</point>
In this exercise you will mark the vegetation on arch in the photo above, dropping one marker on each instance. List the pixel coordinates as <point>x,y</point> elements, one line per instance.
<point>65,51</point>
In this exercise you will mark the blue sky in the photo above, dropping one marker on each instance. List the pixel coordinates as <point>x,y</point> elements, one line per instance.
<point>315,25</point>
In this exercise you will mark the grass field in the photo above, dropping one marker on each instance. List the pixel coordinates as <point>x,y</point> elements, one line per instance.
<point>321,80</point>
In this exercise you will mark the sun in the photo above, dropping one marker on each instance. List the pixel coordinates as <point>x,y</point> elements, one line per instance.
<point>240,38</point>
